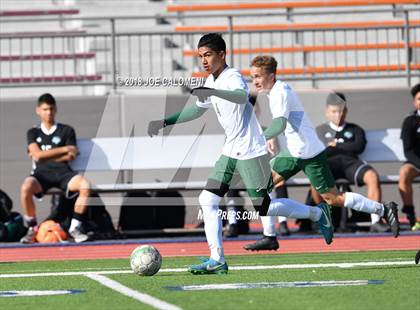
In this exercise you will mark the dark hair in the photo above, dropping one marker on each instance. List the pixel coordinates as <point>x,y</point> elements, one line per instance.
<point>336,98</point>
<point>46,98</point>
<point>214,41</point>
<point>415,90</point>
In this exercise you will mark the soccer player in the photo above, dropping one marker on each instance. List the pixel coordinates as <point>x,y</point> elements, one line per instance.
<point>303,150</point>
<point>410,135</point>
<point>244,153</point>
<point>344,142</point>
<point>51,146</point>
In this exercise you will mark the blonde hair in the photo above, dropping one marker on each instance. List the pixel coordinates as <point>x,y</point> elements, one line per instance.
<point>268,63</point>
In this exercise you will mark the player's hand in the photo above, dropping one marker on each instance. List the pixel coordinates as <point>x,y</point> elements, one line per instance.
<point>72,155</point>
<point>332,143</point>
<point>202,93</point>
<point>272,147</point>
<point>154,127</point>
<point>72,149</point>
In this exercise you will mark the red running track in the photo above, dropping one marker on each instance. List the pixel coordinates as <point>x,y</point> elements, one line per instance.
<point>311,245</point>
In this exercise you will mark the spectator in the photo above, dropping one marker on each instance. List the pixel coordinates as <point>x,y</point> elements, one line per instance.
<point>51,146</point>
<point>345,142</point>
<point>410,135</point>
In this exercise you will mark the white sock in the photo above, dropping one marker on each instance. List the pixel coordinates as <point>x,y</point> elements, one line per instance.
<point>288,208</point>
<point>231,214</point>
<point>74,224</point>
<point>269,225</point>
<point>360,203</point>
<point>375,218</point>
<point>282,219</point>
<point>212,224</point>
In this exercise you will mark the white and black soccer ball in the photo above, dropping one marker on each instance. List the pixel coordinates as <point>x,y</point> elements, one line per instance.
<point>145,260</point>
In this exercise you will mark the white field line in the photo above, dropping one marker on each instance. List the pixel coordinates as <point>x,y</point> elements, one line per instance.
<point>256,267</point>
<point>122,289</point>
<point>298,284</point>
<point>100,269</point>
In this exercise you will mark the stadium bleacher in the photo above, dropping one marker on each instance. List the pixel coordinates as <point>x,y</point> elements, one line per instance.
<point>283,5</point>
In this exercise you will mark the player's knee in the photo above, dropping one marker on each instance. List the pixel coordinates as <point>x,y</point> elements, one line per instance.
<point>405,173</point>
<point>84,188</point>
<point>27,187</point>
<point>207,198</point>
<point>371,178</point>
<point>330,198</point>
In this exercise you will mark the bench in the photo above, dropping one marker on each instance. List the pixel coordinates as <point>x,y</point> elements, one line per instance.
<point>62,56</point>
<point>21,13</point>
<point>49,79</point>
<point>327,70</point>
<point>283,5</point>
<point>191,152</point>
<point>41,34</point>
<point>312,48</point>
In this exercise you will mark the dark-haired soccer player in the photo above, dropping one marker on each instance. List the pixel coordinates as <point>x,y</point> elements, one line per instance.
<point>244,153</point>
<point>52,146</point>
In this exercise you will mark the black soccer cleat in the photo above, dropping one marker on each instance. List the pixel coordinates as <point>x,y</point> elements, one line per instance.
<point>417,259</point>
<point>266,243</point>
<point>391,217</point>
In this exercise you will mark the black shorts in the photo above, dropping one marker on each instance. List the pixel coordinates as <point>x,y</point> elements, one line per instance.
<point>56,178</point>
<point>349,168</point>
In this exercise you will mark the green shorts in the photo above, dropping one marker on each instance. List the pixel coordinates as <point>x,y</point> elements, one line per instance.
<point>315,168</point>
<point>255,174</point>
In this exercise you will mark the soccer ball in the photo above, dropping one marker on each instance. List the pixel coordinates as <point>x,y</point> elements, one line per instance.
<point>145,260</point>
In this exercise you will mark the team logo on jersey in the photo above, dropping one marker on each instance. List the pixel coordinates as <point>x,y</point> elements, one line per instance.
<point>348,134</point>
<point>56,140</point>
<point>39,139</point>
<point>328,135</point>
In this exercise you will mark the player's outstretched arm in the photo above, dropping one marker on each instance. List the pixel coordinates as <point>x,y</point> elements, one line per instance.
<point>276,127</point>
<point>238,96</point>
<point>187,114</point>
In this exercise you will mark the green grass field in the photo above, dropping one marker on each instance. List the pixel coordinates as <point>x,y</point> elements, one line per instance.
<point>400,288</point>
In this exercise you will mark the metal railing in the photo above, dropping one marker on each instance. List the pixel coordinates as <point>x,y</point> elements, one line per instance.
<point>123,58</point>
